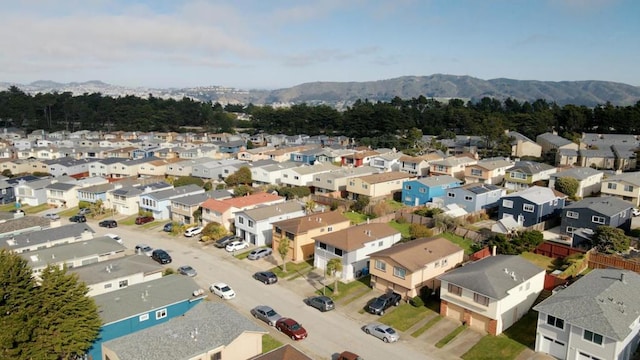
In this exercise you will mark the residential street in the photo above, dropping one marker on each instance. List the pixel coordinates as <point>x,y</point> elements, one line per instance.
<point>329,333</point>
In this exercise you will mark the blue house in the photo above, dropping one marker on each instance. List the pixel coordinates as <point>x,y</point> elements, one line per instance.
<point>94,193</point>
<point>306,156</point>
<point>143,153</point>
<point>232,147</point>
<point>143,305</point>
<point>589,213</point>
<point>475,196</point>
<point>532,205</point>
<point>421,191</point>
<point>159,202</point>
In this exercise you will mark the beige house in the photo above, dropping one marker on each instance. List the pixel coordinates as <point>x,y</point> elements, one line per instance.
<point>284,154</point>
<point>19,166</point>
<point>417,165</point>
<point>256,154</point>
<point>625,186</point>
<point>407,267</point>
<point>156,167</point>
<point>62,195</point>
<point>184,166</point>
<point>523,146</point>
<point>301,232</point>
<point>487,171</point>
<point>377,185</point>
<point>222,211</point>
<point>452,166</point>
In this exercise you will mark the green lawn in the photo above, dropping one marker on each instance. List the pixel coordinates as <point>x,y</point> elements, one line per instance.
<point>450,336</point>
<point>356,217</point>
<point>269,343</point>
<point>403,228</point>
<point>293,269</point>
<point>241,256</point>
<point>351,291</point>
<point>494,348</point>
<point>542,261</point>
<point>395,205</point>
<point>426,326</point>
<point>524,331</point>
<point>460,241</point>
<point>405,316</point>
<point>26,208</point>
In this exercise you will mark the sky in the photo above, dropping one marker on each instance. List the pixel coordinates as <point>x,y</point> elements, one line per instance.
<point>270,44</point>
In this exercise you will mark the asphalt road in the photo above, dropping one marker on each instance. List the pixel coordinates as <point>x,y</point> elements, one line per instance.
<point>329,333</point>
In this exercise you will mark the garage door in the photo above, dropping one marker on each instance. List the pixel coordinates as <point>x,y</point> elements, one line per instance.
<point>455,312</point>
<point>553,347</point>
<point>585,356</point>
<point>479,322</point>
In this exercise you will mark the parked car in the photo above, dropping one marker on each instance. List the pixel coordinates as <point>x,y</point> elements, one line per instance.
<point>322,303</point>
<point>226,240</point>
<point>144,219</point>
<point>52,216</point>
<point>144,249</point>
<point>266,314</point>
<point>84,211</point>
<point>115,237</point>
<point>108,223</point>
<point>383,302</point>
<point>78,218</point>
<point>348,355</point>
<point>256,254</point>
<point>291,328</point>
<point>161,256</point>
<point>187,270</point>
<point>193,231</point>
<point>223,290</point>
<point>236,245</point>
<point>168,227</point>
<point>266,277</point>
<point>383,332</point>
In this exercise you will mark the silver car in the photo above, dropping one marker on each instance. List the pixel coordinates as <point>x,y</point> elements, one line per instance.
<point>381,331</point>
<point>187,270</point>
<point>266,314</point>
<point>256,254</point>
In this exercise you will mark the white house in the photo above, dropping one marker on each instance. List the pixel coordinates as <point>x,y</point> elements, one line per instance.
<point>304,174</point>
<point>254,225</point>
<point>270,174</point>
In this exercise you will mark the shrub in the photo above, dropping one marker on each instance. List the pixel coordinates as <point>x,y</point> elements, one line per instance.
<point>83,204</point>
<point>419,231</point>
<point>416,301</point>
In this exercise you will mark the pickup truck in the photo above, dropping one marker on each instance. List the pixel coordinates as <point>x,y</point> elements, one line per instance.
<point>383,302</point>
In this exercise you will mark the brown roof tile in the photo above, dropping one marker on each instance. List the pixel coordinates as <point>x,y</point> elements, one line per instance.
<point>415,254</point>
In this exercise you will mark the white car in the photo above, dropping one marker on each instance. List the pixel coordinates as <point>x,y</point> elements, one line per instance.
<point>144,249</point>
<point>236,245</point>
<point>52,216</point>
<point>223,290</point>
<point>193,231</point>
<point>115,237</point>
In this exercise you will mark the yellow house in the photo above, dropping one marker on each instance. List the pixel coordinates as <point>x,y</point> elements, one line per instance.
<point>407,267</point>
<point>377,185</point>
<point>301,232</point>
<point>156,167</point>
<point>625,186</point>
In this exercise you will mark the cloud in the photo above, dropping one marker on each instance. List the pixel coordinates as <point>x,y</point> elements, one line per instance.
<point>584,6</point>
<point>327,55</point>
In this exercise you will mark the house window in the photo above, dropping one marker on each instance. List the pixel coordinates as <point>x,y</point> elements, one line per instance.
<point>612,186</point>
<point>570,229</point>
<point>241,220</point>
<point>407,187</point>
<point>507,204</point>
<point>468,198</point>
<point>422,190</point>
<point>399,272</point>
<point>481,299</point>
<point>107,286</point>
<point>380,265</point>
<point>476,172</point>
<point>556,322</point>
<point>338,252</point>
<point>572,214</point>
<point>322,245</point>
<point>451,195</point>
<point>143,317</point>
<point>597,219</point>
<point>123,283</point>
<point>250,223</point>
<point>453,289</point>
<point>330,228</point>
<point>518,175</point>
<point>593,337</point>
<point>528,208</point>
<point>445,262</point>
<point>380,243</point>
<point>437,263</point>
<point>161,314</point>
<point>216,356</point>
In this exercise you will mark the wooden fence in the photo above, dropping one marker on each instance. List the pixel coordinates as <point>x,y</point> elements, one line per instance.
<point>603,261</point>
<point>555,250</point>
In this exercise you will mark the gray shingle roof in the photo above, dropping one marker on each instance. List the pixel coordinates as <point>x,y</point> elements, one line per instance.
<point>60,186</point>
<point>535,194</point>
<point>61,253</point>
<point>531,167</point>
<point>266,212</point>
<point>43,236</point>
<point>118,268</point>
<point>217,325</point>
<point>600,302</point>
<point>579,173</point>
<point>438,180</point>
<point>171,193</point>
<point>606,205</point>
<point>492,276</point>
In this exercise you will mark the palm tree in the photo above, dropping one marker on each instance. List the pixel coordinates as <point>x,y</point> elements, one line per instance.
<point>309,206</point>
<point>283,250</point>
<point>334,266</point>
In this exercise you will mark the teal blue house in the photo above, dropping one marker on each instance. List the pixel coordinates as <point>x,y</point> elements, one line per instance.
<point>141,306</point>
<point>421,191</point>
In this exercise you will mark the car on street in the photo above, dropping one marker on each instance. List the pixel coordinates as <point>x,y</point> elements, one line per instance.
<point>115,237</point>
<point>223,290</point>
<point>187,270</point>
<point>383,332</point>
<point>51,216</point>
<point>321,302</point>
<point>236,245</point>
<point>144,219</point>
<point>108,223</point>
<point>144,249</point>
<point>348,355</point>
<point>383,302</point>
<point>78,219</point>
<point>259,253</point>
<point>225,240</point>
<point>266,314</point>
<point>291,328</point>
<point>193,231</point>
<point>84,211</point>
<point>266,277</point>
<point>168,227</point>
<point>161,256</point>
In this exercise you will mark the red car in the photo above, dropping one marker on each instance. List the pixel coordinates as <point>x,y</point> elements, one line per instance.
<point>144,219</point>
<point>291,328</point>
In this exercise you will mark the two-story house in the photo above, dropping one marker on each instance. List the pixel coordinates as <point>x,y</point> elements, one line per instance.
<point>302,175</point>
<point>452,166</point>
<point>421,191</point>
<point>360,158</point>
<point>254,225</point>
<point>625,186</point>
<point>387,161</point>
<point>551,142</point>
<point>63,195</point>
<point>532,205</point>
<point>159,202</point>
<point>95,192</point>
<point>40,238</point>
<point>474,197</point>
<point>590,213</point>
<point>334,183</point>
<point>523,146</point>
<point>596,317</point>
<point>353,246</point>
<point>126,199</point>
<point>270,174</point>
<point>301,232</point>
<point>408,267</point>
<point>487,171</point>
<point>589,180</point>
<point>527,173</point>
<point>222,211</point>
<point>377,186</point>
<point>597,158</point>
<point>184,207</point>
<point>492,293</point>
<point>417,165</point>
<point>185,166</point>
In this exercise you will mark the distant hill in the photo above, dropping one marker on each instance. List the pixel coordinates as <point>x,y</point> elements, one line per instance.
<point>341,94</point>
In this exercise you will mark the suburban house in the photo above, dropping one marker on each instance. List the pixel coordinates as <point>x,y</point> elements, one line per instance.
<point>254,225</point>
<point>185,166</point>
<point>596,317</point>
<point>156,167</point>
<point>421,191</point>
<point>589,180</point>
<point>626,158</point>
<point>254,154</point>
<point>103,167</point>
<point>125,200</point>
<point>387,162</point>
<point>487,171</point>
<point>215,169</point>
<point>333,156</point>
<point>95,192</point>
<point>115,274</point>
<point>417,165</point>
<point>222,211</point>
<point>76,168</point>
<point>199,334</point>
<point>284,153</point>
<point>413,265</point>
<point>301,232</point>
<point>19,223</point>
<point>360,158</point>
<point>62,195</point>
<point>589,213</point>
<point>625,186</point>
<point>552,143</point>
<point>284,352</point>
<point>597,158</point>
<point>183,207</point>
<point>302,175</point>
<point>305,156</point>
<point>141,306</point>
<point>527,173</point>
<point>532,205</point>
<point>33,192</point>
<point>473,197</point>
<point>453,166</point>
<point>523,146</point>
<point>353,246</point>
<point>270,174</point>
<point>47,237</point>
<point>7,192</point>
<point>158,203</point>
<point>334,183</point>
<point>377,186</point>
<point>492,293</point>
<point>566,157</point>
